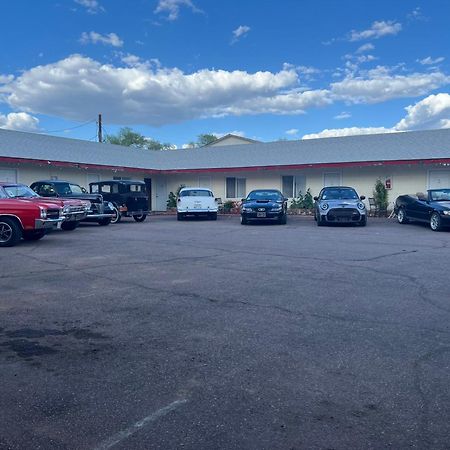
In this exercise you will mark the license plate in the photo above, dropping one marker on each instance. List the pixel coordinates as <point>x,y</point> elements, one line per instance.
<point>260,214</point>
<point>198,206</point>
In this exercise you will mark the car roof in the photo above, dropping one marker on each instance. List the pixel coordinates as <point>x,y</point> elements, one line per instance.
<point>195,189</point>
<point>338,187</point>
<point>54,181</point>
<point>119,181</point>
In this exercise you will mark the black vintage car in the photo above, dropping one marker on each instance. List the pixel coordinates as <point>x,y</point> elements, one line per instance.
<point>264,204</point>
<point>432,208</point>
<point>129,197</point>
<point>100,211</point>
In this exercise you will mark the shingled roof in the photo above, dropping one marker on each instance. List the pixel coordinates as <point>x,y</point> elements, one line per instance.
<point>391,148</point>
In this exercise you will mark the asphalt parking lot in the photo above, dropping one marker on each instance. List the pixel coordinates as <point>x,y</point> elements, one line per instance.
<point>207,335</point>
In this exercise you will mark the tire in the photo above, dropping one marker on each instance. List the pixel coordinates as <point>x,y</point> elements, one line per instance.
<point>363,222</point>
<point>401,216</point>
<point>34,235</point>
<point>117,216</point>
<point>69,226</point>
<point>244,221</point>
<point>435,222</point>
<point>104,222</point>
<point>282,220</point>
<point>180,216</point>
<point>140,217</point>
<point>212,216</point>
<point>319,221</point>
<point>10,232</point>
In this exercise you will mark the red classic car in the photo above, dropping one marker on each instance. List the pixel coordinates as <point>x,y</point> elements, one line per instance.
<point>74,210</point>
<point>21,218</point>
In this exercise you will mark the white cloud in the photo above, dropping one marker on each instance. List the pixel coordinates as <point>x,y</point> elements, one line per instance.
<point>172,8</point>
<point>95,38</point>
<point>376,31</point>
<point>380,85</point>
<point>235,133</point>
<point>19,121</point>
<point>77,88</point>
<point>353,131</point>
<point>430,61</point>
<point>433,112</point>
<point>292,131</point>
<point>92,6</point>
<point>343,115</point>
<point>240,31</point>
<point>365,48</point>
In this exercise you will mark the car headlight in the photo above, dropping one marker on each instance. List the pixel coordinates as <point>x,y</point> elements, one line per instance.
<point>244,209</point>
<point>43,213</point>
<point>446,213</point>
<point>110,205</point>
<point>277,209</point>
<point>66,209</point>
<point>324,206</point>
<point>361,205</point>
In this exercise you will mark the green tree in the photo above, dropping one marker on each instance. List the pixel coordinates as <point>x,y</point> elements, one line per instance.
<point>129,138</point>
<point>380,195</point>
<point>205,139</point>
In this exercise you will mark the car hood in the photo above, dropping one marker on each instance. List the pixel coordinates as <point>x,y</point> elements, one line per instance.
<point>261,204</point>
<point>441,205</point>
<point>43,202</point>
<point>55,201</point>
<point>341,203</point>
<point>94,198</point>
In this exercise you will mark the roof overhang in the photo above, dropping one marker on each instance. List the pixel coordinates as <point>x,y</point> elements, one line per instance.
<point>329,165</point>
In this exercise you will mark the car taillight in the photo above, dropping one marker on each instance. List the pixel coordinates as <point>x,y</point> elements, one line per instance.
<point>178,199</point>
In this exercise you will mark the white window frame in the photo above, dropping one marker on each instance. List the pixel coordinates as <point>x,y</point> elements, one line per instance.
<point>236,187</point>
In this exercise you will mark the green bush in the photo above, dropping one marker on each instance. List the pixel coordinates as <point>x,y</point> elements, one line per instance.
<point>380,195</point>
<point>228,206</point>
<point>302,201</point>
<point>172,200</point>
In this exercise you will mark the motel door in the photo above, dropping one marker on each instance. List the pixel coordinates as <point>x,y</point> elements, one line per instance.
<point>439,179</point>
<point>161,195</point>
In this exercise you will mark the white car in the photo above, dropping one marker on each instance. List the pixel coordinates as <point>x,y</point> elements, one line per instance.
<point>196,202</point>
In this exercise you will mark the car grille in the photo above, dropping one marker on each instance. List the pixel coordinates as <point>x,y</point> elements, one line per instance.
<point>97,208</point>
<point>53,213</point>
<point>343,215</point>
<point>76,209</point>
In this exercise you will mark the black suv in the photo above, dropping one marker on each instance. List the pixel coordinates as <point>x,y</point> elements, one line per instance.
<point>129,197</point>
<point>100,211</point>
<point>263,204</point>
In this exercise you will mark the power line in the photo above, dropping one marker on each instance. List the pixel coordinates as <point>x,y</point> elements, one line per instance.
<point>71,128</point>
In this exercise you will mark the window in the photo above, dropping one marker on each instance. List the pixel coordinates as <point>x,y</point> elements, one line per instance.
<point>292,186</point>
<point>236,187</point>
<point>8,175</point>
<point>196,193</point>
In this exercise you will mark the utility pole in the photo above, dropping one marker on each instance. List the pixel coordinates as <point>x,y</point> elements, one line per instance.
<point>100,131</point>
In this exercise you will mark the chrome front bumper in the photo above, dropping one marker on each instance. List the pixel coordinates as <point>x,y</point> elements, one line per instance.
<point>40,224</point>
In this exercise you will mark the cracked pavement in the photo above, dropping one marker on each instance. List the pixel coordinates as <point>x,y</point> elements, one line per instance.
<point>206,335</point>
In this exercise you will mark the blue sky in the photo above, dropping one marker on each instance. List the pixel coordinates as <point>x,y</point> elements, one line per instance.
<point>268,70</point>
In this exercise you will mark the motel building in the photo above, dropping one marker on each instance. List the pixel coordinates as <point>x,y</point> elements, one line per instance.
<point>406,162</point>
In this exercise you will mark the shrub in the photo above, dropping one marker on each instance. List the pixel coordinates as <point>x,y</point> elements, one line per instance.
<point>302,201</point>
<point>172,200</point>
<point>380,195</point>
<point>228,206</point>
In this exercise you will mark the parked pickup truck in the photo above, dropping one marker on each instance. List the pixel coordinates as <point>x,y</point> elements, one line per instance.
<point>73,210</point>
<point>21,218</point>
<point>100,211</point>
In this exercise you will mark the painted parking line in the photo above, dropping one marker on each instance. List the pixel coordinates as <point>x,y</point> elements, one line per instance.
<point>124,434</point>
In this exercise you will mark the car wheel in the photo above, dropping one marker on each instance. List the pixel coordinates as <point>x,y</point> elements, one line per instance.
<point>69,226</point>
<point>10,232</point>
<point>282,220</point>
<point>363,222</point>
<point>34,235</point>
<point>104,222</point>
<point>117,216</point>
<point>244,221</point>
<point>319,221</point>
<point>180,216</point>
<point>140,217</point>
<point>212,216</point>
<point>401,216</point>
<point>435,222</point>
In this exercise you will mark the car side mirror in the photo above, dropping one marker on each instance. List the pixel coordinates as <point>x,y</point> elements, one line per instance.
<point>363,197</point>
<point>242,199</point>
<point>316,198</point>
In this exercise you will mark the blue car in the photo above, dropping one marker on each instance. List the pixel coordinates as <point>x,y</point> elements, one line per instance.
<point>264,204</point>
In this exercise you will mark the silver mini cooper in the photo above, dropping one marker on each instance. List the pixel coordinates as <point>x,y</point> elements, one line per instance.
<point>339,204</point>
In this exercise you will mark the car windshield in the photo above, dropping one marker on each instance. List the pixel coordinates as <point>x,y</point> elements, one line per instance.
<point>68,188</point>
<point>265,195</point>
<point>196,193</point>
<point>136,188</point>
<point>3,193</point>
<point>440,195</point>
<point>19,190</point>
<point>339,194</point>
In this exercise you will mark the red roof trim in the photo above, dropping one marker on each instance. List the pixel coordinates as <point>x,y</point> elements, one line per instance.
<point>7,159</point>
